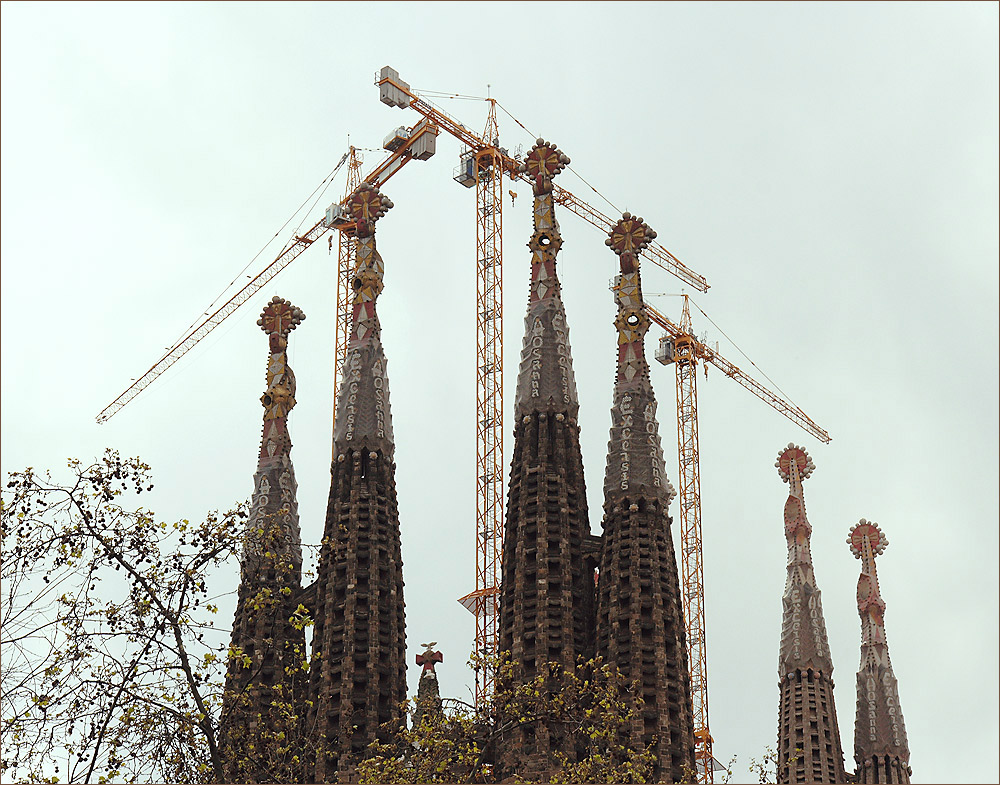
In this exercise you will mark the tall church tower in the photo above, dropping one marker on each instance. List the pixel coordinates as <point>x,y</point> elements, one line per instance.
<point>267,645</point>
<point>547,597</point>
<point>880,747</point>
<point>640,621</point>
<point>358,677</point>
<point>809,746</point>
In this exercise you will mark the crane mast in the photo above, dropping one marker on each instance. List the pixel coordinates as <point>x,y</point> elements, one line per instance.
<point>680,347</point>
<point>347,251</point>
<point>489,401</point>
<point>692,569</point>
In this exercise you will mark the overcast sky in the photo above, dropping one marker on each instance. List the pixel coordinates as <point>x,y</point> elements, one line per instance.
<point>831,169</point>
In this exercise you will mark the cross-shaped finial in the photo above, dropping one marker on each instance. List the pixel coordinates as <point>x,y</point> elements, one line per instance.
<point>366,205</point>
<point>631,235</point>
<point>544,161</point>
<point>280,317</point>
<point>795,455</point>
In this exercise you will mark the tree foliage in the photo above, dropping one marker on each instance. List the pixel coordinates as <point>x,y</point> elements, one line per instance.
<point>112,666</point>
<point>588,705</point>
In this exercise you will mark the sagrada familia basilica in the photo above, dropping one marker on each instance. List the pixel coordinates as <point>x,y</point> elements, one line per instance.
<point>551,607</point>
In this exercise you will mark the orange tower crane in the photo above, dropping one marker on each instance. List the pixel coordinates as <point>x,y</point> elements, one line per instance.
<point>483,164</point>
<point>681,348</point>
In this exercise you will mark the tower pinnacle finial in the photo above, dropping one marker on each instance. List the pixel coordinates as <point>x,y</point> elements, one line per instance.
<point>543,162</point>
<point>367,204</point>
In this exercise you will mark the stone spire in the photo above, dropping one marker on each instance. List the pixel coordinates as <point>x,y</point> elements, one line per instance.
<point>428,691</point>
<point>547,591</point>
<point>267,645</point>
<point>358,679</point>
<point>809,745</point>
<point>640,618</point>
<point>880,747</point>
<point>363,417</point>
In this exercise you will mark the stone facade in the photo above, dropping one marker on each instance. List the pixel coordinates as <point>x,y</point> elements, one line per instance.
<point>881,751</point>
<point>809,745</point>
<point>267,647</point>
<point>547,593</point>
<point>358,677</point>
<point>640,619</point>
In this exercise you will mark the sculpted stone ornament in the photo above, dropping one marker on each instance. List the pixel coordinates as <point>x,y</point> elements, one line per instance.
<point>635,457</point>
<point>363,414</point>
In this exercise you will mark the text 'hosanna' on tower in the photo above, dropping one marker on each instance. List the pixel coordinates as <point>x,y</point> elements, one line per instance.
<point>358,676</point>
<point>881,751</point>
<point>640,621</point>
<point>547,593</point>
<point>809,745</point>
<point>267,646</point>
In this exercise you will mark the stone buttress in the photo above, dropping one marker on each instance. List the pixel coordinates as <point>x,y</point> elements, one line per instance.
<point>809,745</point>
<point>640,618</point>
<point>267,647</point>
<point>881,751</point>
<point>547,592</point>
<point>358,676</point>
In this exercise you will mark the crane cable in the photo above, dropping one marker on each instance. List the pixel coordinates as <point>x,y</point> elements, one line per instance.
<point>787,396</point>
<point>327,181</point>
<point>582,178</point>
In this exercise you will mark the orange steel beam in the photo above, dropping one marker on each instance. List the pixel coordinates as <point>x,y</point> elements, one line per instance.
<point>292,250</point>
<point>775,401</point>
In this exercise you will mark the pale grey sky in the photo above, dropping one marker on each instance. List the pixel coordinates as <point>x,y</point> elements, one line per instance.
<point>830,168</point>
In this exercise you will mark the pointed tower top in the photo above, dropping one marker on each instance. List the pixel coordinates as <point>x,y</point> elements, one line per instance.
<point>545,379</point>
<point>879,732</point>
<point>363,416</point>
<point>803,646</point>
<point>274,500</point>
<point>635,457</point>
